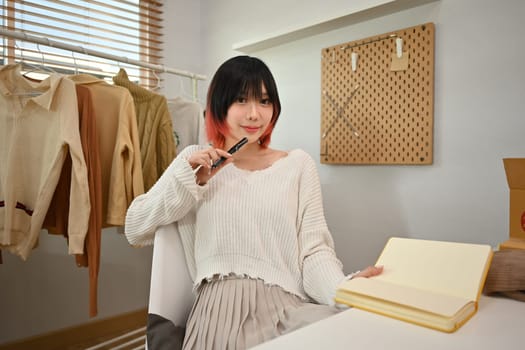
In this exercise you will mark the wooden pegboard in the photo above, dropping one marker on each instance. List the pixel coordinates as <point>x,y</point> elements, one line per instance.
<point>391,111</point>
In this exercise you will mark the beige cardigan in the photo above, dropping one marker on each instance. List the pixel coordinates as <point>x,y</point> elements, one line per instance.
<point>119,147</point>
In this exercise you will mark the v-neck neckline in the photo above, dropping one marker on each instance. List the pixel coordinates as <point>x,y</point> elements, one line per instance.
<point>268,168</point>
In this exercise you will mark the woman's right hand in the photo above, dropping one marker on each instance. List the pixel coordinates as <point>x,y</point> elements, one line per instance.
<point>203,161</point>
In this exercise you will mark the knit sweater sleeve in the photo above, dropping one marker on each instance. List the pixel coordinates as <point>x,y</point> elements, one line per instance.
<point>321,269</point>
<point>169,200</point>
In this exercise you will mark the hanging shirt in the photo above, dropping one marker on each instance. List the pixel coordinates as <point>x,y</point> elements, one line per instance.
<point>157,142</point>
<point>38,124</point>
<point>188,122</point>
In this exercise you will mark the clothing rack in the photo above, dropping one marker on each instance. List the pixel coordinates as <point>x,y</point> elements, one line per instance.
<point>80,49</point>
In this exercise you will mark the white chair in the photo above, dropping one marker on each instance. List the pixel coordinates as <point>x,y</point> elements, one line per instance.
<point>171,296</point>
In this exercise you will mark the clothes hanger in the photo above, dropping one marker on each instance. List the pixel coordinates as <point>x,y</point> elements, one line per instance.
<point>158,86</point>
<point>183,91</point>
<point>22,60</point>
<point>23,63</point>
<point>42,68</point>
<point>74,62</point>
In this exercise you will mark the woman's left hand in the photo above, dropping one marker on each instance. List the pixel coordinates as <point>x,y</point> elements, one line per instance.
<point>370,271</point>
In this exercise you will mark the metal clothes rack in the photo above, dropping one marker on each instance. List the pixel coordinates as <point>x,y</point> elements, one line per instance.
<point>80,49</point>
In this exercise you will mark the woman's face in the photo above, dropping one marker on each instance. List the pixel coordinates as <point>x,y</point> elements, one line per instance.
<point>248,117</point>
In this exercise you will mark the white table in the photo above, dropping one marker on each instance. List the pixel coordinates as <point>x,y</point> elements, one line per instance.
<point>499,324</point>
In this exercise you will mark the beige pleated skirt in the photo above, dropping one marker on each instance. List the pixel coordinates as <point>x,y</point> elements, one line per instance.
<point>238,313</point>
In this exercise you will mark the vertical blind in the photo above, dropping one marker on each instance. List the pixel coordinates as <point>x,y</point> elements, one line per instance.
<point>123,28</point>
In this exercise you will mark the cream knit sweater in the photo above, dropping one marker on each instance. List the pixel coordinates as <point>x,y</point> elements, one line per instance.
<point>266,224</point>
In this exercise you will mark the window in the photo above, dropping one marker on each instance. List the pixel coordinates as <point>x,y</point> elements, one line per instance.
<point>122,28</point>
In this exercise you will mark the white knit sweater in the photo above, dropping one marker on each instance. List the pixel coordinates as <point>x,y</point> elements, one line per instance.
<point>266,224</point>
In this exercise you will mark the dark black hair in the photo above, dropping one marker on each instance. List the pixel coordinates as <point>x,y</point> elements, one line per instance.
<point>238,76</point>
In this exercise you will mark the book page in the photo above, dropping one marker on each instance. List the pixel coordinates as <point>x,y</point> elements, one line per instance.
<point>451,268</point>
<point>439,304</point>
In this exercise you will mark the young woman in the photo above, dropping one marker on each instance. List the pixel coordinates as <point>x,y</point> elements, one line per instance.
<point>253,229</point>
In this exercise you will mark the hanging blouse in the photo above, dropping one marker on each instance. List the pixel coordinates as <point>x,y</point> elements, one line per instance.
<point>188,121</point>
<point>38,124</point>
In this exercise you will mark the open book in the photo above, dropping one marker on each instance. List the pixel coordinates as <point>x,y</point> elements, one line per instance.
<point>430,283</point>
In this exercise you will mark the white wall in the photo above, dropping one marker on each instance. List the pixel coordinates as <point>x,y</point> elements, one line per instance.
<point>182,46</point>
<point>479,94</point>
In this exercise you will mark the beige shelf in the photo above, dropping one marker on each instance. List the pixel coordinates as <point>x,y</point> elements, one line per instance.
<point>374,9</point>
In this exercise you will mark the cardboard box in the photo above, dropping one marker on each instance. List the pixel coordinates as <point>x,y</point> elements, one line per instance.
<point>515,170</point>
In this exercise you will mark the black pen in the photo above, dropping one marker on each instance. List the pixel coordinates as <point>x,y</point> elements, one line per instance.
<point>232,150</point>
